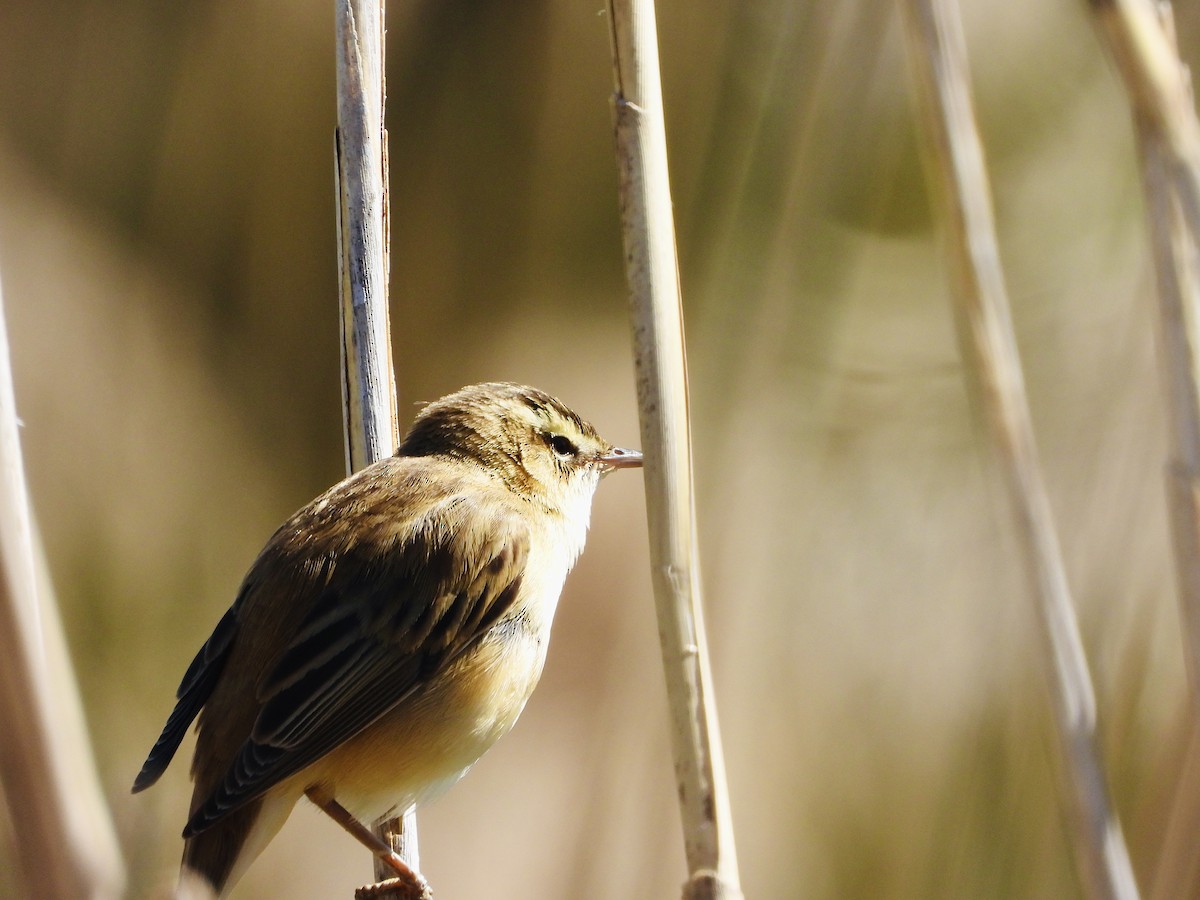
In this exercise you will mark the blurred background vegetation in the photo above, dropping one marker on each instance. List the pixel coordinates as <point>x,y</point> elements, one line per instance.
<point>167,252</point>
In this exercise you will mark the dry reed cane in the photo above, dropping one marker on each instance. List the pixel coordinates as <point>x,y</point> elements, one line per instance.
<point>937,51</point>
<point>661,368</point>
<point>368,379</point>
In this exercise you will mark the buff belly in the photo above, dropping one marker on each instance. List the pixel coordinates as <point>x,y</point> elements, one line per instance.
<point>431,739</point>
<point>420,748</point>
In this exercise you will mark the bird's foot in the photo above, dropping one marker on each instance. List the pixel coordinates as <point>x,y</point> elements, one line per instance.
<point>409,884</point>
<point>412,886</point>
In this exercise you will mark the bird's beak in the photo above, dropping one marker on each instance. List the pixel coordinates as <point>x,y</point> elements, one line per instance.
<point>617,458</point>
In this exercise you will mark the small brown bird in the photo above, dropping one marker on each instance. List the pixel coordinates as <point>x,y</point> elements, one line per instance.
<point>390,631</point>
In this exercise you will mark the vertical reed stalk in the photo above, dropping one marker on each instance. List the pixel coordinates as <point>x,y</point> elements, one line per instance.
<point>368,381</point>
<point>657,325</point>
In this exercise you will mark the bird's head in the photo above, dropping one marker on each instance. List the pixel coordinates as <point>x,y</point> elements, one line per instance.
<point>536,444</point>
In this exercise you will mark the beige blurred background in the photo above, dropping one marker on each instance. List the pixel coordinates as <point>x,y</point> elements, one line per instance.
<point>167,257</point>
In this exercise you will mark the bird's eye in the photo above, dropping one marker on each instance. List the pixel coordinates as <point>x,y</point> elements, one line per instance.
<point>563,445</point>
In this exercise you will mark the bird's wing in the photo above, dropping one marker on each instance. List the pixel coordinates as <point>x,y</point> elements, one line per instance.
<point>193,693</point>
<point>383,624</point>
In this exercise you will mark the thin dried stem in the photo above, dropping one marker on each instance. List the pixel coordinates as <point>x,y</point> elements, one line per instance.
<point>368,382</point>
<point>65,842</point>
<point>1163,116</point>
<point>937,51</point>
<point>1142,41</point>
<point>368,385</point>
<point>1140,36</point>
<point>657,323</point>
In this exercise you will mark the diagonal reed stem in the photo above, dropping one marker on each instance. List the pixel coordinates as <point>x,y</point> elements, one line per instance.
<point>65,843</point>
<point>937,51</point>
<point>1140,36</point>
<point>1162,111</point>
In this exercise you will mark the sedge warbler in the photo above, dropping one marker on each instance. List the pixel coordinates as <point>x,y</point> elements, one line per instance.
<point>391,630</point>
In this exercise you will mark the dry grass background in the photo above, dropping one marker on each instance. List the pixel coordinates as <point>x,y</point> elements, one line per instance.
<point>167,249</point>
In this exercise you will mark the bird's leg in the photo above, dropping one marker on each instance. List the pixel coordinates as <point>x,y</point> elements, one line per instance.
<point>412,881</point>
